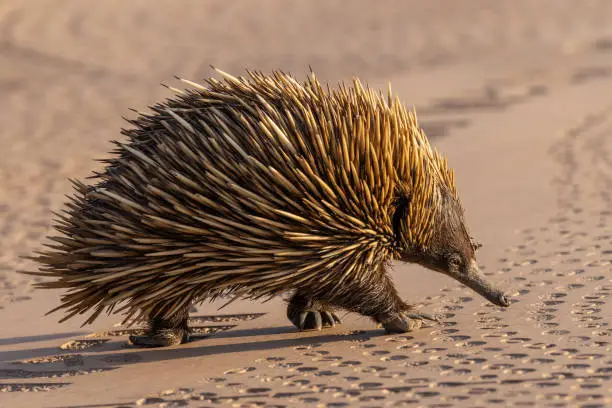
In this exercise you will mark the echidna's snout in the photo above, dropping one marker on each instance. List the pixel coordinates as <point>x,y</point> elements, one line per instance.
<point>472,278</point>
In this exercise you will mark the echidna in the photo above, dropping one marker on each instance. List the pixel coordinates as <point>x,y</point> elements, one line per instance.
<point>255,186</point>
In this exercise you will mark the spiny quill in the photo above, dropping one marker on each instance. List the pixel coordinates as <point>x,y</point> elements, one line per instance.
<point>255,186</point>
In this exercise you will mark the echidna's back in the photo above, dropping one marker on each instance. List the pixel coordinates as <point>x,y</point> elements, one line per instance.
<point>253,186</point>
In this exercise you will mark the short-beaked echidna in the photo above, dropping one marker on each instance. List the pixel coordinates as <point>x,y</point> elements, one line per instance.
<point>255,186</point>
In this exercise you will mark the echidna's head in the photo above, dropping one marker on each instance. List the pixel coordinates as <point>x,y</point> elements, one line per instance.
<point>450,249</point>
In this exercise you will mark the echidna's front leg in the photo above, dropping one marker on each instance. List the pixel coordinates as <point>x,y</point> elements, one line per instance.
<point>379,300</point>
<point>309,314</point>
<point>165,331</point>
<point>395,315</point>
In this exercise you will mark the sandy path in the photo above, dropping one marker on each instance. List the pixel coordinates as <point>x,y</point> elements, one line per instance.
<point>515,93</point>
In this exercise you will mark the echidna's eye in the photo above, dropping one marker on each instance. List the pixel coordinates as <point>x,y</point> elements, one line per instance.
<point>454,262</point>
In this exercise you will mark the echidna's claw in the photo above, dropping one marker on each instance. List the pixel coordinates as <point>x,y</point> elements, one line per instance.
<point>402,325</point>
<point>407,322</point>
<point>318,321</point>
<point>308,314</point>
<point>423,316</point>
<point>161,338</point>
<point>328,317</point>
<point>302,321</point>
<point>314,319</point>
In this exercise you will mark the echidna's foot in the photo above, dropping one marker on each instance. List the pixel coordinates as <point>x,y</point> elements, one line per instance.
<point>164,330</point>
<point>161,338</point>
<point>407,322</point>
<point>315,320</point>
<point>306,314</point>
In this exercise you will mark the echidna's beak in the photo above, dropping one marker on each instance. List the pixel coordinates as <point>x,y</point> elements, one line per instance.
<point>473,279</point>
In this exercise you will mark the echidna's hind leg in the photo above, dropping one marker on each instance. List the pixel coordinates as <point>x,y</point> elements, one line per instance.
<point>309,314</point>
<point>165,331</point>
<point>378,299</point>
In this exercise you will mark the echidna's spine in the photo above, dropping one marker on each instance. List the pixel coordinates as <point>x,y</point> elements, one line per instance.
<point>250,187</point>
